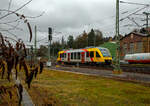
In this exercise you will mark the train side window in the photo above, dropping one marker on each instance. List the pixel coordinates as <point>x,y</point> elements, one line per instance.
<point>97,55</point>
<point>71,55</point>
<point>78,55</point>
<point>87,54</point>
<point>63,55</point>
<point>75,55</point>
<point>92,54</point>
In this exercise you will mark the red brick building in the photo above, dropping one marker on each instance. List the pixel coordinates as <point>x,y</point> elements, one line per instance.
<point>134,43</point>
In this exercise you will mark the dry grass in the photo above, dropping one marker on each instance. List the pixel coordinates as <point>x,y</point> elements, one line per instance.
<point>5,98</point>
<point>66,89</point>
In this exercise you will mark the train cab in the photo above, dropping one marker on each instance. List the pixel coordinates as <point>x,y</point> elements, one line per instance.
<point>100,55</point>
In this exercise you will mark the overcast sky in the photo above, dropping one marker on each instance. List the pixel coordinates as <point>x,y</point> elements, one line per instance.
<point>71,17</point>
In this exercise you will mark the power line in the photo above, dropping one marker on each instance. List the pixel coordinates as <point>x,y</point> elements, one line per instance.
<point>134,13</point>
<point>42,39</point>
<point>134,3</point>
<point>132,19</point>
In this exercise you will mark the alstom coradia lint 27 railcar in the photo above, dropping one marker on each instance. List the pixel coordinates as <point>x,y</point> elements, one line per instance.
<point>95,55</point>
<point>140,58</point>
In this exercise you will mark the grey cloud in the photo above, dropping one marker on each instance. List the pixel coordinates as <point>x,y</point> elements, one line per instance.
<point>69,16</point>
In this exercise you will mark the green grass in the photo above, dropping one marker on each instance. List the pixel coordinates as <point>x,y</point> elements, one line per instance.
<point>66,89</point>
<point>111,46</point>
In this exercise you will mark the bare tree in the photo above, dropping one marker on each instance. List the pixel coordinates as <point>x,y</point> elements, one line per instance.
<point>12,56</point>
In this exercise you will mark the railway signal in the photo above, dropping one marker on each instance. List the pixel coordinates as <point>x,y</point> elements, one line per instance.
<point>49,39</point>
<point>50,33</point>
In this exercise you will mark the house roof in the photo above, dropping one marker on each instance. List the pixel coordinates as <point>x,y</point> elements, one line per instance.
<point>135,33</point>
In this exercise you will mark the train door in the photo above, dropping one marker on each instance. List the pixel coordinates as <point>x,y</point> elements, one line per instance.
<point>83,57</point>
<point>68,57</point>
<point>92,56</point>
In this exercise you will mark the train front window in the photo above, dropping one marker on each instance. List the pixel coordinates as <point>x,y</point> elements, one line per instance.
<point>97,55</point>
<point>105,52</point>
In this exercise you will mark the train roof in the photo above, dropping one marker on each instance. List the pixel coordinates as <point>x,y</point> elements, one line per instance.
<point>80,50</point>
<point>95,47</point>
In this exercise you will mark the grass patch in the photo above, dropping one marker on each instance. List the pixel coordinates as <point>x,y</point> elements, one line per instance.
<point>67,89</point>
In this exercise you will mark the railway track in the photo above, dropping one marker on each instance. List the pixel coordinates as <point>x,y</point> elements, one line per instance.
<point>145,69</point>
<point>134,68</point>
<point>127,76</point>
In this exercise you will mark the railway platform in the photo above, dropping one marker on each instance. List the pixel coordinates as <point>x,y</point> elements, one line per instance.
<point>127,76</point>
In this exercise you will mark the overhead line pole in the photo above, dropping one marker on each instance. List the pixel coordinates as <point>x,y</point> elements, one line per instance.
<point>117,65</point>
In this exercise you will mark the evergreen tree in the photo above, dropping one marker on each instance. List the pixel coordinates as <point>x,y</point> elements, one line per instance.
<point>70,41</point>
<point>91,36</point>
<point>98,38</point>
<point>63,42</point>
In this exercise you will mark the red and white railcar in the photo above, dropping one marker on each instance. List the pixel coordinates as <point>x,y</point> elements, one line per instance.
<point>137,58</point>
<point>95,55</point>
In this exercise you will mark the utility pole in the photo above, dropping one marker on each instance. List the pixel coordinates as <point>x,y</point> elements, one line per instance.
<point>49,48</point>
<point>117,66</point>
<point>31,54</point>
<point>87,41</point>
<point>94,40</point>
<point>53,51</point>
<point>147,17</point>
<point>35,47</point>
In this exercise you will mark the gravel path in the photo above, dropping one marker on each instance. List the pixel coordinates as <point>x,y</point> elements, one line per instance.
<point>26,100</point>
<point>105,73</point>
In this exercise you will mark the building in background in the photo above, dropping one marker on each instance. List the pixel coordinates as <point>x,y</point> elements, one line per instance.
<point>134,42</point>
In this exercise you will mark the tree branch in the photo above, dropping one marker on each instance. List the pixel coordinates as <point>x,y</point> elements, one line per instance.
<point>10,21</point>
<point>10,1</point>
<point>15,10</point>
<point>36,16</point>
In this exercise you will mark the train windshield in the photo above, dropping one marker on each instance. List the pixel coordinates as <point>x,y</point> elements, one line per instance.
<point>105,52</point>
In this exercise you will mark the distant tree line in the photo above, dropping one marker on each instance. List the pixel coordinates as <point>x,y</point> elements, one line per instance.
<point>93,38</point>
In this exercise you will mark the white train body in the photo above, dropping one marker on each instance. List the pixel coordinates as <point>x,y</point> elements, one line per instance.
<point>137,58</point>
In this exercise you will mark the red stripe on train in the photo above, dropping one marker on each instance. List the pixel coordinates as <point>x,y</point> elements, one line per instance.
<point>92,59</point>
<point>65,51</point>
<point>138,61</point>
<point>85,50</point>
